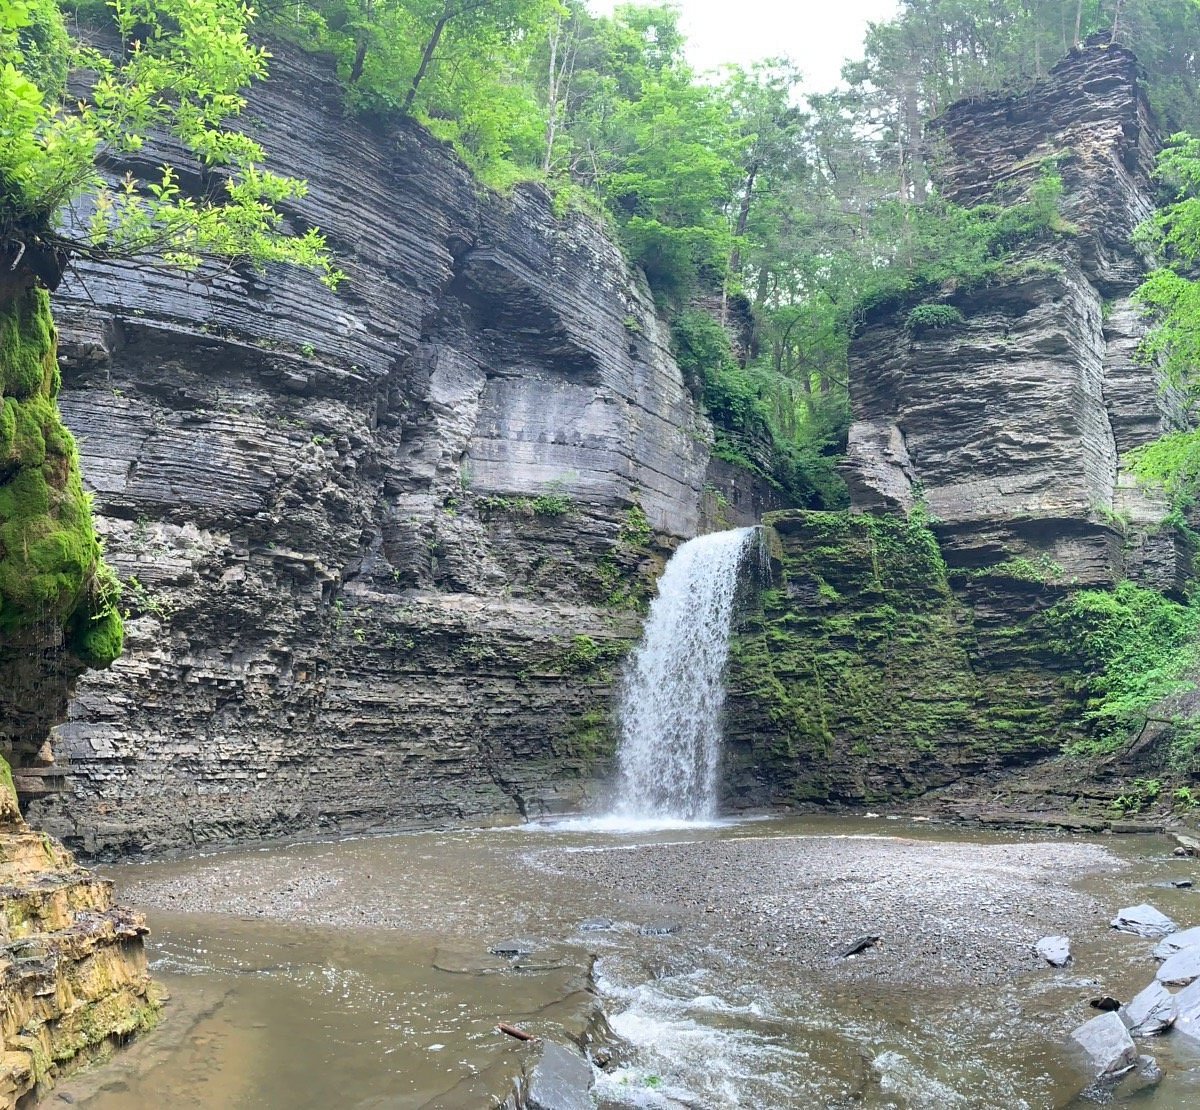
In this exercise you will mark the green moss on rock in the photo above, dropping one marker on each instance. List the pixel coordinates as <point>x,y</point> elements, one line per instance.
<point>863,677</point>
<point>51,568</point>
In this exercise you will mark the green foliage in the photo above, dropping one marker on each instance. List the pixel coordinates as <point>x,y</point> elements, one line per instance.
<point>933,317</point>
<point>635,528</point>
<point>941,246</point>
<point>1135,648</point>
<point>182,75</point>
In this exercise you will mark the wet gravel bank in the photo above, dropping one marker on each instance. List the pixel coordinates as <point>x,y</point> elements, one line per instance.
<point>957,911</point>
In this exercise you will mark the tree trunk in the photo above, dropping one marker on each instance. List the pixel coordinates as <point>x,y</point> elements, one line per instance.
<point>360,57</point>
<point>426,58</point>
<point>735,255</point>
<point>1078,19</point>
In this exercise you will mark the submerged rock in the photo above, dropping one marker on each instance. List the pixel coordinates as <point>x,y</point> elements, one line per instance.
<point>596,924</point>
<point>1056,951</point>
<point>512,948</point>
<point>659,928</point>
<point>1143,921</point>
<point>1150,1011</point>
<point>1107,1044</point>
<point>561,1079</point>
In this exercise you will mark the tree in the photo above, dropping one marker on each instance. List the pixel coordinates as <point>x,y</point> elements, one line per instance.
<point>177,69</point>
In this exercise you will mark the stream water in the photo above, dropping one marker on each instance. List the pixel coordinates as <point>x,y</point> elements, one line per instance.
<point>357,973</point>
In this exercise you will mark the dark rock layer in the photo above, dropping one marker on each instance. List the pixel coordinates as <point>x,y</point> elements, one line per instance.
<point>381,547</point>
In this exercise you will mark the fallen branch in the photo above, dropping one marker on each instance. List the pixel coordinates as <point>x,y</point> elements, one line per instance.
<point>513,1031</point>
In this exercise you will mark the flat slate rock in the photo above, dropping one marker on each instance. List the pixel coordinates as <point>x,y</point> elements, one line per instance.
<point>859,944</point>
<point>1056,951</point>
<point>1149,1012</point>
<point>561,1079</point>
<point>511,948</point>
<point>1181,968</point>
<point>1187,1011</point>
<point>1107,1044</point>
<point>1176,942</point>
<point>1143,921</point>
<point>596,924</point>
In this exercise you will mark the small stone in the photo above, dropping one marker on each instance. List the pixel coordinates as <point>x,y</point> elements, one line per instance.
<point>659,928</point>
<point>512,948</point>
<point>1150,1011</point>
<point>1105,1002</point>
<point>1182,884</point>
<point>1107,1044</point>
<point>1181,968</point>
<point>861,944</point>
<point>1056,951</point>
<point>1143,921</point>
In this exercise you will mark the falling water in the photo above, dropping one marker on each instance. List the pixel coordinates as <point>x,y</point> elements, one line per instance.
<point>674,689</point>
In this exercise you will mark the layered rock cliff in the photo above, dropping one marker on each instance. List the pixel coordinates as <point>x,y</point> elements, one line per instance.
<point>896,656</point>
<point>381,548</point>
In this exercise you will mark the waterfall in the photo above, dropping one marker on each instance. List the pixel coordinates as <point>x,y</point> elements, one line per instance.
<point>674,688</point>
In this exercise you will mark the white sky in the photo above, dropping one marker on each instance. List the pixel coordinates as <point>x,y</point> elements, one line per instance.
<point>818,35</point>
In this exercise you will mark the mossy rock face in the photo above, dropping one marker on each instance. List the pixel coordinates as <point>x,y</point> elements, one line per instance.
<point>863,676</point>
<point>51,568</point>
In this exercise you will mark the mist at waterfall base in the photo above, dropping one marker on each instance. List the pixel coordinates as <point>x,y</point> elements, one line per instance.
<point>672,694</point>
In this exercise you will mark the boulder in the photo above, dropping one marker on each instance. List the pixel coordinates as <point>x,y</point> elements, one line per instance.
<point>1151,1011</point>
<point>1107,1044</point>
<point>1056,951</point>
<point>1143,921</point>
<point>560,1079</point>
<point>1181,968</point>
<point>1187,1011</point>
<point>1176,942</point>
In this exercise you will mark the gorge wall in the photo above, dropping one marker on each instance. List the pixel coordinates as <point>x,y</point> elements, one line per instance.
<point>894,656</point>
<point>381,548</point>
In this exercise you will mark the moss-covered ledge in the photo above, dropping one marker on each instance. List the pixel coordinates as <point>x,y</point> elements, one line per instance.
<point>58,599</point>
<point>861,675</point>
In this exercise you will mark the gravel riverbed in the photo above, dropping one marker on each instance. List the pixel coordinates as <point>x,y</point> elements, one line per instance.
<point>960,910</point>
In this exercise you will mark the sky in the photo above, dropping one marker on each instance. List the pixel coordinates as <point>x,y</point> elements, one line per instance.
<point>818,35</point>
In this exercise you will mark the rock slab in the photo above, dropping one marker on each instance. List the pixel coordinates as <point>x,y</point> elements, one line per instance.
<point>1107,1044</point>
<point>1143,921</point>
<point>1150,1011</point>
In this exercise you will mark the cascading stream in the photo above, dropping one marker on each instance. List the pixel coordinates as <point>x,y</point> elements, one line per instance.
<point>674,686</point>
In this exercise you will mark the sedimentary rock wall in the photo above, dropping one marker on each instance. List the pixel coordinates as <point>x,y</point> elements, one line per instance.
<point>382,546</point>
<point>881,666</point>
<point>1010,427</point>
<point>73,978</point>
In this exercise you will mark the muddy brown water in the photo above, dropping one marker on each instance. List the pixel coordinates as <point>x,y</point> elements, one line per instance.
<point>357,973</point>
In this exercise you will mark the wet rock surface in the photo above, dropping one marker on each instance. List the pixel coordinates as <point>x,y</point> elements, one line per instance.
<point>1150,1011</point>
<point>560,1079</point>
<point>1106,1042</point>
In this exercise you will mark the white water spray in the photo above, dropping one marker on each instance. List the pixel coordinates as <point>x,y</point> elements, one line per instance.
<point>674,686</point>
